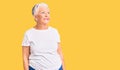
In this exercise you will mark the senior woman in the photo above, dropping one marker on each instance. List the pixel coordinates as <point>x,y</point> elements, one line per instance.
<point>41,44</point>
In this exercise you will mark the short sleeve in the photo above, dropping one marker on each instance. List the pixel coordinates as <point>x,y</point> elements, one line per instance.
<point>25,41</point>
<point>58,36</point>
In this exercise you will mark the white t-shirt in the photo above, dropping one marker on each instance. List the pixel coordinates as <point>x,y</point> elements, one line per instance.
<point>43,48</point>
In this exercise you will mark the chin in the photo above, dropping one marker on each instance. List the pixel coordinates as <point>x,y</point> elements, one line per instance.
<point>46,22</point>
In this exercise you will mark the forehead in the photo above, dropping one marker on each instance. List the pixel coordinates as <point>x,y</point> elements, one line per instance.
<point>43,8</point>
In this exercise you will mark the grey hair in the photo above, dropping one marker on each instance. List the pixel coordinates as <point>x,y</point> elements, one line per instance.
<point>36,8</point>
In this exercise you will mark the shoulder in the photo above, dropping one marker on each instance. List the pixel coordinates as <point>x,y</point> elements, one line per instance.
<point>28,31</point>
<point>53,28</point>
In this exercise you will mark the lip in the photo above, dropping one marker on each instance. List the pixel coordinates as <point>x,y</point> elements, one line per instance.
<point>46,18</point>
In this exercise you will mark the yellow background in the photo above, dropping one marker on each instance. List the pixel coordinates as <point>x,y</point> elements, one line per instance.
<point>89,29</point>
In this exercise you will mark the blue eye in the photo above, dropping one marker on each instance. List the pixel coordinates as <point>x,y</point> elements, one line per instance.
<point>48,12</point>
<point>43,12</point>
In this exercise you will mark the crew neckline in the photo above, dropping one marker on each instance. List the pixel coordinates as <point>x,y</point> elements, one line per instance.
<point>41,29</point>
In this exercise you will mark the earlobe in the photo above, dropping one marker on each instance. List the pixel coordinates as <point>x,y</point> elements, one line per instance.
<point>35,18</point>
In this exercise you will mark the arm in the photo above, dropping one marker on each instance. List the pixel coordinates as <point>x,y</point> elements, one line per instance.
<point>25,52</point>
<point>59,50</point>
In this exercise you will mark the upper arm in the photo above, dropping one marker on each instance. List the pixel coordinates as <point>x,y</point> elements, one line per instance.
<point>26,51</point>
<point>26,45</point>
<point>59,49</point>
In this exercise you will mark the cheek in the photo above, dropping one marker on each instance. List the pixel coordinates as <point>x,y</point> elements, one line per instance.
<point>40,17</point>
<point>49,16</point>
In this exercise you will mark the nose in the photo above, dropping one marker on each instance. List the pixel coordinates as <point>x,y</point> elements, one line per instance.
<point>46,15</point>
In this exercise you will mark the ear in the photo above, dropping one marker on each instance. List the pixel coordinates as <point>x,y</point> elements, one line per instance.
<point>35,17</point>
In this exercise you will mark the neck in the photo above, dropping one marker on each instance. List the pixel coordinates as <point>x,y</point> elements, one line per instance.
<point>41,26</point>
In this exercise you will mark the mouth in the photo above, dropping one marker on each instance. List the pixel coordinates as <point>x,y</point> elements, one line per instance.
<point>46,19</point>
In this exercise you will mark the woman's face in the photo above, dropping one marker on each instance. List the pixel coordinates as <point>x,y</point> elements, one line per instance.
<point>43,15</point>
